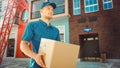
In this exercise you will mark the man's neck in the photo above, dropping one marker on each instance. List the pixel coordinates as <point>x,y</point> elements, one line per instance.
<point>47,21</point>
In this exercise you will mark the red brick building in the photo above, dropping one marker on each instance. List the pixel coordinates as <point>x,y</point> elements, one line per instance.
<point>105,34</point>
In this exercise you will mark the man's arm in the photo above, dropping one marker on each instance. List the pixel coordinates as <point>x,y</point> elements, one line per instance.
<point>26,50</point>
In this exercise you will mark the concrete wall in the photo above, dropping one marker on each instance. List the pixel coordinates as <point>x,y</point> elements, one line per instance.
<point>63,21</point>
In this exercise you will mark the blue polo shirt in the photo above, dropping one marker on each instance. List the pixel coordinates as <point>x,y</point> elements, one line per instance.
<point>34,32</point>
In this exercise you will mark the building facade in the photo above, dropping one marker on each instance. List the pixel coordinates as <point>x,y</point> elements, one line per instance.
<point>94,25</point>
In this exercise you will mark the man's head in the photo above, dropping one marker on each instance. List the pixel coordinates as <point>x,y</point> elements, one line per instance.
<point>48,3</point>
<point>47,9</point>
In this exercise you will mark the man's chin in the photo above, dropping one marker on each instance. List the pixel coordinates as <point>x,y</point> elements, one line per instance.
<point>50,17</point>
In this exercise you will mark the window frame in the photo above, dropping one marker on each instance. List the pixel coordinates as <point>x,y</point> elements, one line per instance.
<point>24,17</point>
<point>107,3</point>
<point>54,16</point>
<point>77,8</point>
<point>90,6</point>
<point>61,29</point>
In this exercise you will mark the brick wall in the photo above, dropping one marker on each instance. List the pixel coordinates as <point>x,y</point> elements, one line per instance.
<point>104,22</point>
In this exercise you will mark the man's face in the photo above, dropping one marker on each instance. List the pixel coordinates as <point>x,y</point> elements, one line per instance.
<point>47,12</point>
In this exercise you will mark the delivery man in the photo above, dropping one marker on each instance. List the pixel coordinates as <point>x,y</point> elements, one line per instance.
<point>35,31</point>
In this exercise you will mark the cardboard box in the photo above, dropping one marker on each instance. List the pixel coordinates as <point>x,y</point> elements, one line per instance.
<point>59,54</point>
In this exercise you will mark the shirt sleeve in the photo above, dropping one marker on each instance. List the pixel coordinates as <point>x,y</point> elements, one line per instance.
<point>58,36</point>
<point>28,33</point>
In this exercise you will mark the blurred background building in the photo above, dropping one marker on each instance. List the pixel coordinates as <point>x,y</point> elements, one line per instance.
<point>92,24</point>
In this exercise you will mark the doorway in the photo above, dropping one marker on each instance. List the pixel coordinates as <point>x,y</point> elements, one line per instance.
<point>10,48</point>
<point>89,50</point>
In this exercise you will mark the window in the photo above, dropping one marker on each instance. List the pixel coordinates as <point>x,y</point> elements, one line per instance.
<point>60,10</point>
<point>107,4</point>
<point>76,7</point>
<point>27,1</point>
<point>60,6</point>
<point>91,6</point>
<point>35,9</point>
<point>62,32</point>
<point>4,5</point>
<point>10,48</point>
<point>25,16</point>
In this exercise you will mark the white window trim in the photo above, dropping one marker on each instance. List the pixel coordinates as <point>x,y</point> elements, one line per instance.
<point>106,3</point>
<point>90,6</point>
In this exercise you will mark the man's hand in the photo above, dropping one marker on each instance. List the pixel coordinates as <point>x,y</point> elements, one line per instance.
<point>39,59</point>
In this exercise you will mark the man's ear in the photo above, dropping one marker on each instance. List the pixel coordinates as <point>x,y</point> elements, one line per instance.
<point>40,10</point>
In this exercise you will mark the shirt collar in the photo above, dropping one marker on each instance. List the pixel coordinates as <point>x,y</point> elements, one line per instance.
<point>44,23</point>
